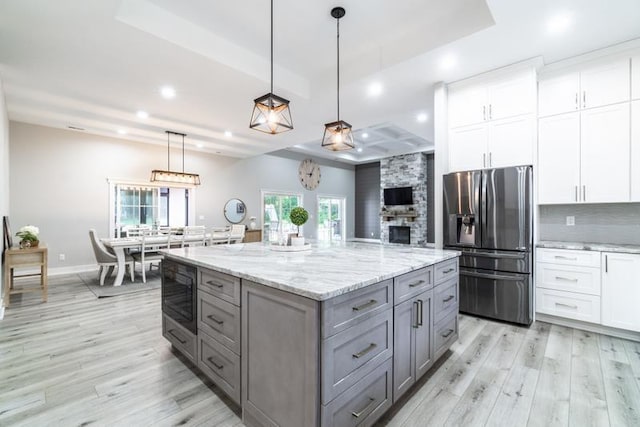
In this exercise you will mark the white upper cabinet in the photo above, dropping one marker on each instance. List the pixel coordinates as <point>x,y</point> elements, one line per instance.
<point>604,154</point>
<point>635,151</point>
<point>467,147</point>
<point>597,85</point>
<point>467,106</point>
<point>635,77</point>
<point>559,159</point>
<point>621,290</point>
<point>511,141</point>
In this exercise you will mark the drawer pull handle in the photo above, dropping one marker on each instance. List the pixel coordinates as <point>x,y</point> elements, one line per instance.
<point>414,284</point>
<point>448,270</point>
<point>565,257</point>
<point>213,362</point>
<point>575,307</point>
<point>212,283</point>
<point>449,298</point>
<point>365,351</point>
<point>566,279</point>
<point>365,305</point>
<point>365,409</point>
<point>447,334</point>
<point>176,337</point>
<point>219,322</point>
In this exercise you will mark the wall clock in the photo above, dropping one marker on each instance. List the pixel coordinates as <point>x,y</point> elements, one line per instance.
<point>309,174</point>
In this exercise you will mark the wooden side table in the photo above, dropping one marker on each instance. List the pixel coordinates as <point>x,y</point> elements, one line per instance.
<point>25,258</point>
<point>251,236</point>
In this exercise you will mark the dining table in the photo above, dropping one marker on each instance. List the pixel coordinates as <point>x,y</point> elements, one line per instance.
<point>121,245</point>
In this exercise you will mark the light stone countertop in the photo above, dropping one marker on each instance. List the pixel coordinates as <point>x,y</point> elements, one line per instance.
<point>582,246</point>
<point>325,271</point>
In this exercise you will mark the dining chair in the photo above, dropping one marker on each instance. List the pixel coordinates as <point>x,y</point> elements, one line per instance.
<point>194,235</point>
<point>236,234</point>
<point>219,235</point>
<point>107,260</point>
<point>151,244</point>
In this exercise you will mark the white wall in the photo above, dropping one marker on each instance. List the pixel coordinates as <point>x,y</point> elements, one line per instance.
<point>59,183</point>
<point>4,172</point>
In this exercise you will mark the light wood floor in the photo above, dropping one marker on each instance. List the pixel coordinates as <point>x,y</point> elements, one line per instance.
<point>78,360</point>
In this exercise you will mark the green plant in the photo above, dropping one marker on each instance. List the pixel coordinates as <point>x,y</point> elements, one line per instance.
<point>298,217</point>
<point>28,233</point>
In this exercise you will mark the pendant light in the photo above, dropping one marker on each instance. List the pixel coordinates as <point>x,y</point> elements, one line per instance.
<point>172,176</point>
<point>271,112</point>
<point>338,135</point>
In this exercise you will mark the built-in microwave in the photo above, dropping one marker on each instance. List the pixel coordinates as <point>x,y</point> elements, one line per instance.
<point>179,293</point>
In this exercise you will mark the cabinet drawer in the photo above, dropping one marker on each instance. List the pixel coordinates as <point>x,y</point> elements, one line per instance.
<point>220,364</point>
<point>569,257</point>
<point>351,354</point>
<point>445,299</point>
<point>222,285</point>
<point>220,319</point>
<point>411,284</point>
<point>445,270</point>
<point>181,338</point>
<point>446,333</point>
<point>570,305</point>
<point>569,278</point>
<point>346,310</point>
<point>362,404</point>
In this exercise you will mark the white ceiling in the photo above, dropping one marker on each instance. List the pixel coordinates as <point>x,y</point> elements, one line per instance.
<point>93,63</point>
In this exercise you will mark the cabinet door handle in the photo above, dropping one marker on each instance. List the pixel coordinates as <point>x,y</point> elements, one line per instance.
<point>566,279</point>
<point>420,312</point>
<point>176,337</point>
<point>414,314</point>
<point>584,193</point>
<point>447,334</point>
<point>606,263</point>
<point>414,284</point>
<point>359,354</point>
<point>359,413</point>
<point>484,160</point>
<point>212,283</point>
<point>448,270</point>
<point>449,298</point>
<point>576,193</point>
<point>575,307</point>
<point>484,112</point>
<point>490,159</point>
<point>365,305</point>
<point>213,362</point>
<point>219,322</point>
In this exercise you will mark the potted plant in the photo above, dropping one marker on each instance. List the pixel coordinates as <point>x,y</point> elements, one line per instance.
<point>28,236</point>
<point>298,217</point>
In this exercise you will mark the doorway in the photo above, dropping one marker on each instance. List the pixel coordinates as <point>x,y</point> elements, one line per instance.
<point>331,218</point>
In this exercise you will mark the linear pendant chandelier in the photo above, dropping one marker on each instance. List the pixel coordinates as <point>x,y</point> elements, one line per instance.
<point>338,135</point>
<point>271,112</point>
<point>173,176</point>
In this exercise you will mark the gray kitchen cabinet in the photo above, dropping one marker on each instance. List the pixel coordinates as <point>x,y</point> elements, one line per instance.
<point>412,335</point>
<point>179,337</point>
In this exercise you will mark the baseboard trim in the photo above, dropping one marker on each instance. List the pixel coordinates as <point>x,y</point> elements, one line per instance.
<point>591,327</point>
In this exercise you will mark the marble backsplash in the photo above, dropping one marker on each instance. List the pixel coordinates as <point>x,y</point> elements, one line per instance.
<point>616,223</point>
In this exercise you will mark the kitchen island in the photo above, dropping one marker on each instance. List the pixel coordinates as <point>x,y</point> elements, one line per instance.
<point>332,336</point>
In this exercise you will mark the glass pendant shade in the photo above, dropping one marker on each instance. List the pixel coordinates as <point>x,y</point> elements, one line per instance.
<point>175,177</point>
<point>338,136</point>
<point>271,114</point>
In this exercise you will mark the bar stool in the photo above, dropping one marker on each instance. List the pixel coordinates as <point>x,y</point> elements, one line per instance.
<point>24,258</point>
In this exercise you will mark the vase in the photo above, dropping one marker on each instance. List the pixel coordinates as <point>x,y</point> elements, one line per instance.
<point>252,225</point>
<point>29,244</point>
<point>297,241</point>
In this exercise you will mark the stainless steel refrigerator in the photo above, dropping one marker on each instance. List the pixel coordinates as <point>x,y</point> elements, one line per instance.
<point>488,217</point>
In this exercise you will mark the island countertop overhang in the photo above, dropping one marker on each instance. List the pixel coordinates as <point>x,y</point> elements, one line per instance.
<point>324,272</point>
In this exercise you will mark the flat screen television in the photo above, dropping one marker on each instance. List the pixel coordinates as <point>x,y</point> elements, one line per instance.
<point>398,196</point>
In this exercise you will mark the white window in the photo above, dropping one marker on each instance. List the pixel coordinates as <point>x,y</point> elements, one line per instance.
<point>331,218</point>
<point>276,207</point>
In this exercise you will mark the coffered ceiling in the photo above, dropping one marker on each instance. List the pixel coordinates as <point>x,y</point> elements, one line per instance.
<point>92,64</point>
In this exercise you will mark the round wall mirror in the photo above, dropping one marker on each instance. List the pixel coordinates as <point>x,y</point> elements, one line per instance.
<point>235,211</point>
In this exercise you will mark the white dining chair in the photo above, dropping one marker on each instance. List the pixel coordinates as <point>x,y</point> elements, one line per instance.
<point>219,235</point>
<point>194,235</point>
<point>106,260</point>
<point>236,234</point>
<point>151,244</point>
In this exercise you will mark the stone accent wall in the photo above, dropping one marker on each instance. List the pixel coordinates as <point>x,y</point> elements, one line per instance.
<point>404,171</point>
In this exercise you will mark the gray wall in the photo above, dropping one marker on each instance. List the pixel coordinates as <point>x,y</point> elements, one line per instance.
<point>431,232</point>
<point>368,201</point>
<point>4,172</point>
<point>605,223</point>
<point>59,183</point>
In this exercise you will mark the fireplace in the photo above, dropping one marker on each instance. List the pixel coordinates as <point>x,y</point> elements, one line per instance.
<point>399,234</point>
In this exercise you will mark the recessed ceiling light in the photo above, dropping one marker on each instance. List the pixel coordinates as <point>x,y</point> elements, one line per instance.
<point>559,23</point>
<point>199,145</point>
<point>359,149</point>
<point>422,117</point>
<point>365,135</point>
<point>122,131</point>
<point>142,114</point>
<point>448,62</point>
<point>168,92</point>
<point>375,89</point>
<point>228,133</point>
